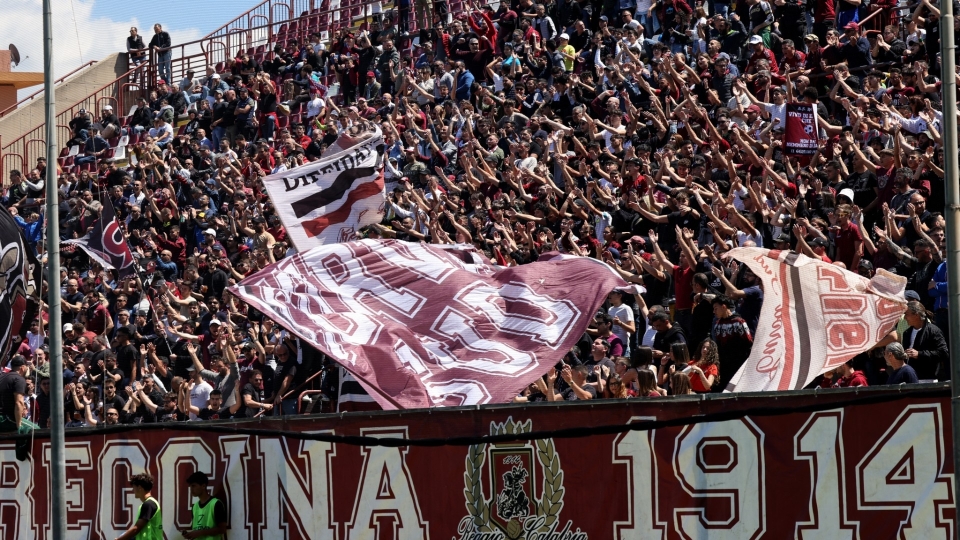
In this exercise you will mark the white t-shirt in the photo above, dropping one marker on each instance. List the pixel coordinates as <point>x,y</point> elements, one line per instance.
<point>199,397</point>
<point>777,111</point>
<point>314,106</point>
<point>625,314</point>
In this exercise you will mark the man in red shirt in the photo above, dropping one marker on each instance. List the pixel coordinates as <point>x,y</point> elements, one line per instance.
<point>848,377</point>
<point>849,240</point>
<point>98,316</point>
<point>761,52</point>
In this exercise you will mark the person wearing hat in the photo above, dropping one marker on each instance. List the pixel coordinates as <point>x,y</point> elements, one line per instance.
<point>371,90</point>
<point>13,408</point>
<point>567,51</point>
<point>759,51</point>
<point>856,49</point>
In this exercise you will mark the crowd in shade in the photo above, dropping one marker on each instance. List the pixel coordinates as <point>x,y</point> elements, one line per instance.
<point>649,135</point>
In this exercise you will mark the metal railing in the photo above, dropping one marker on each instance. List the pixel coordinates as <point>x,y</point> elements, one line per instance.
<point>22,152</point>
<point>208,54</point>
<point>38,92</point>
<point>255,31</point>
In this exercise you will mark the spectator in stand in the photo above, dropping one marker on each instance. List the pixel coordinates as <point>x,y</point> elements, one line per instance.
<point>160,44</point>
<point>925,346</point>
<point>518,156</point>
<point>732,336</point>
<point>844,376</point>
<point>704,368</point>
<point>900,372</point>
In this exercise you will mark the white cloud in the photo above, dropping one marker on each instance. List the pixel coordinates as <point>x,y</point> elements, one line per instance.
<point>78,37</point>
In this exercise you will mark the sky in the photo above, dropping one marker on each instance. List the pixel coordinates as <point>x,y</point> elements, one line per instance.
<point>87,30</point>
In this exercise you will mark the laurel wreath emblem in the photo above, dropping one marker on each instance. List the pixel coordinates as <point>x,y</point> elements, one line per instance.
<point>548,506</point>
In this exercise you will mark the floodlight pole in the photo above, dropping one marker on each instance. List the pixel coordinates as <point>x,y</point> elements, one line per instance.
<point>57,486</point>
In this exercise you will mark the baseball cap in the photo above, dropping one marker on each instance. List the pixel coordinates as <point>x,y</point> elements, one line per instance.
<point>753,108</point>
<point>215,76</point>
<point>754,40</point>
<point>210,231</point>
<point>847,192</point>
<point>371,74</point>
<point>565,36</point>
<point>68,327</point>
<point>604,18</point>
<point>851,26</point>
<point>108,107</point>
<point>811,37</point>
<point>818,242</point>
<point>911,295</point>
<point>215,322</point>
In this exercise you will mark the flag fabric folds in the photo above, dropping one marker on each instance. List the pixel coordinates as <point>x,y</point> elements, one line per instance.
<point>106,244</point>
<point>329,200</point>
<point>422,326</point>
<point>19,299</point>
<point>815,316</point>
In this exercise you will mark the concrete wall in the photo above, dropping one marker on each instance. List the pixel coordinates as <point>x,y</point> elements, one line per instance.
<point>77,87</point>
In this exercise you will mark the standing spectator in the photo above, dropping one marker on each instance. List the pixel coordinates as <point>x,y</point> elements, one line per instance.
<point>13,409</point>
<point>160,44</point>
<point>925,346</point>
<point>623,320</point>
<point>732,336</point>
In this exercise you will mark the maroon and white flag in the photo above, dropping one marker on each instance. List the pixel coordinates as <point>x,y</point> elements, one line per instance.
<point>815,316</point>
<point>801,132</point>
<point>329,200</point>
<point>422,326</point>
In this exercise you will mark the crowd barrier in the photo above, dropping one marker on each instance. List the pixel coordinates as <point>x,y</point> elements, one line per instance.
<point>869,463</point>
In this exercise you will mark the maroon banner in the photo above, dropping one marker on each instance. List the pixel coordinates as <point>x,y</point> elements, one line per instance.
<point>418,326</point>
<point>844,471</point>
<point>800,133</point>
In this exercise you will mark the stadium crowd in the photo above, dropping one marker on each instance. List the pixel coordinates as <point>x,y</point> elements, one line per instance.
<point>646,134</point>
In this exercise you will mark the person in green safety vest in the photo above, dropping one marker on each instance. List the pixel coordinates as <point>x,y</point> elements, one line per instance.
<point>149,524</point>
<point>209,513</point>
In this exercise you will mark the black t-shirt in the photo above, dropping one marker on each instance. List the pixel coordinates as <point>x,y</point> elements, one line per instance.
<point>570,395</point>
<point>127,356</point>
<point>148,510</point>
<point>256,394</point>
<point>10,383</point>
<point>210,414</point>
<point>863,185</point>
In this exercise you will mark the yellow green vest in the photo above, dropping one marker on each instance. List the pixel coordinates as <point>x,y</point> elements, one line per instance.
<point>154,528</point>
<point>203,518</point>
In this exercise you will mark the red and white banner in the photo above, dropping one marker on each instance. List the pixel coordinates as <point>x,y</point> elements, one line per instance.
<point>418,326</point>
<point>846,471</point>
<point>815,316</point>
<point>800,136</point>
<point>329,200</point>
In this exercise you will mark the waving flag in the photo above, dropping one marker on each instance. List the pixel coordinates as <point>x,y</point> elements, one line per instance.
<point>815,316</point>
<point>328,200</point>
<point>106,244</point>
<point>421,326</point>
<point>18,298</point>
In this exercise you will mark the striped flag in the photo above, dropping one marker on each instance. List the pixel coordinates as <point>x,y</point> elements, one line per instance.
<point>329,200</point>
<point>815,316</point>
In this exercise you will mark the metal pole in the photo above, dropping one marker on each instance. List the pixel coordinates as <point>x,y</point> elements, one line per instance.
<point>951,177</point>
<point>58,473</point>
